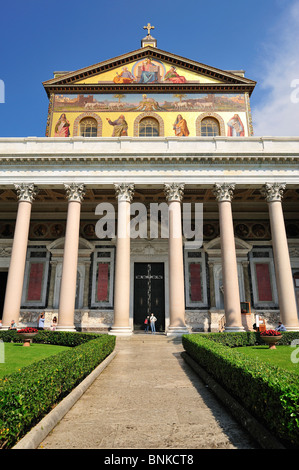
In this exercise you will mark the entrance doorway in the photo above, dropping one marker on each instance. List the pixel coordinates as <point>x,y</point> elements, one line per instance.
<point>149,295</point>
<point>3,282</point>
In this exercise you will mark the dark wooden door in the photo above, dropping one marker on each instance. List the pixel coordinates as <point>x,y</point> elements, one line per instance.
<point>149,296</point>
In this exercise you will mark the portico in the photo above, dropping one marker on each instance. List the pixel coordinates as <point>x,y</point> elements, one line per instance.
<point>89,282</point>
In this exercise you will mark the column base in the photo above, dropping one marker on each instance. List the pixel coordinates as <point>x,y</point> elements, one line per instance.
<point>177,331</point>
<point>120,331</point>
<point>233,329</point>
<point>292,328</point>
<point>66,328</point>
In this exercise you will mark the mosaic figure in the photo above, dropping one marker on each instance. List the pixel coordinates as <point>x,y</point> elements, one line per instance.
<point>180,126</point>
<point>173,76</point>
<point>62,128</point>
<point>120,126</point>
<point>235,127</point>
<point>124,77</point>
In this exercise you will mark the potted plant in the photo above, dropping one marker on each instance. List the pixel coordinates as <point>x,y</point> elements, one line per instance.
<point>27,334</point>
<point>271,337</point>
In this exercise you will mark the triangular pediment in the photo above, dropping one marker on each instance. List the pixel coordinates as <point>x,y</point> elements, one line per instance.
<point>148,67</point>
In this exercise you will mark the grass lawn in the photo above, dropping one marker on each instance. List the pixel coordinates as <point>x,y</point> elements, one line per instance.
<point>281,356</point>
<point>16,356</point>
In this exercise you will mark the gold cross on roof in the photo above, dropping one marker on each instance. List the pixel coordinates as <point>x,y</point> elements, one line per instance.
<point>148,27</point>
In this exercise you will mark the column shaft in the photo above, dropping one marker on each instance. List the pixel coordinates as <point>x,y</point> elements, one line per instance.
<point>121,325</point>
<point>284,279</point>
<point>229,261</point>
<point>177,326</point>
<point>67,297</point>
<point>15,279</point>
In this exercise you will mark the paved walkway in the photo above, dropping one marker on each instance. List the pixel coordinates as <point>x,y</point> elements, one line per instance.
<point>148,398</point>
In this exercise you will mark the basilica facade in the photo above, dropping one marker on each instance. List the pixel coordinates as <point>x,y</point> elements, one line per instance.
<point>149,194</point>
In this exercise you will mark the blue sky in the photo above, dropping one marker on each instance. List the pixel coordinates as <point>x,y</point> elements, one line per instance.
<point>38,37</point>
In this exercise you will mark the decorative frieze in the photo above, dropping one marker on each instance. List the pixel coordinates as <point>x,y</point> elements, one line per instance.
<point>224,191</point>
<point>75,192</point>
<point>26,192</point>
<point>174,192</point>
<point>124,191</point>
<point>273,191</point>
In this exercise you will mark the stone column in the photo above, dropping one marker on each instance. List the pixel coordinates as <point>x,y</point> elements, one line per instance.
<point>75,193</point>
<point>174,195</point>
<point>11,311</point>
<point>224,194</point>
<point>121,325</point>
<point>273,193</point>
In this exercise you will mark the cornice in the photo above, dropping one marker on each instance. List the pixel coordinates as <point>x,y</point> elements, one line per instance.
<point>158,151</point>
<point>151,88</point>
<point>162,159</point>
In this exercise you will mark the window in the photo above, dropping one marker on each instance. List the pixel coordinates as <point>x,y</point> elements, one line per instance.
<point>263,278</point>
<point>148,127</point>
<point>36,277</point>
<point>210,127</point>
<point>195,275</point>
<point>88,127</point>
<point>102,278</point>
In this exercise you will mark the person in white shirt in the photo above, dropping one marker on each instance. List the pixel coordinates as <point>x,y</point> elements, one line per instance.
<point>153,320</point>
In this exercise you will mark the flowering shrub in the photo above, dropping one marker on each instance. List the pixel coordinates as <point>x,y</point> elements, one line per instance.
<point>271,333</point>
<point>28,330</point>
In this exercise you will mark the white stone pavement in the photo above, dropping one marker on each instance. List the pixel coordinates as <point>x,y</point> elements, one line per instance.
<point>148,398</point>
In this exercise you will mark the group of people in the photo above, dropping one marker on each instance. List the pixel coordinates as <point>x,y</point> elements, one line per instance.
<point>150,321</point>
<point>280,327</point>
<point>41,322</point>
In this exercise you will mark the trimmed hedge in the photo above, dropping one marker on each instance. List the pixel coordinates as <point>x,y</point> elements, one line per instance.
<point>28,395</point>
<point>270,393</point>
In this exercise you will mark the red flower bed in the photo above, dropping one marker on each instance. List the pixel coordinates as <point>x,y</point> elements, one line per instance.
<point>28,330</point>
<point>271,333</point>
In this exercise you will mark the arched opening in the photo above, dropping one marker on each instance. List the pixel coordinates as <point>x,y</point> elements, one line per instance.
<point>88,127</point>
<point>209,127</point>
<point>148,127</point>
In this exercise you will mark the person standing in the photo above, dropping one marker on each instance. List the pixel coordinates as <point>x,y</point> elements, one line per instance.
<point>41,321</point>
<point>146,323</point>
<point>153,320</point>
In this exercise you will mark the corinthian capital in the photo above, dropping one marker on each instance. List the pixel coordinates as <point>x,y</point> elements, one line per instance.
<point>273,191</point>
<point>75,192</point>
<point>224,191</point>
<point>124,191</point>
<point>174,192</point>
<point>26,192</point>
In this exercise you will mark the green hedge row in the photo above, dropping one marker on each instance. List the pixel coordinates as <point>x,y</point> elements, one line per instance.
<point>270,393</point>
<point>28,395</point>
<point>249,338</point>
<point>60,338</point>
